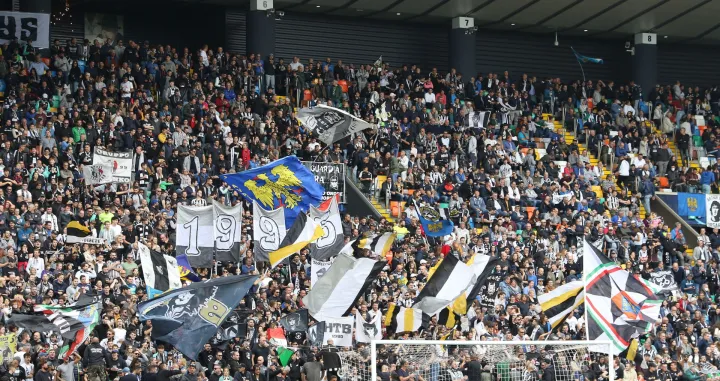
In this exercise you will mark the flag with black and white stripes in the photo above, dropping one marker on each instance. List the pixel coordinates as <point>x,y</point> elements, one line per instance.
<point>161,272</point>
<point>559,303</point>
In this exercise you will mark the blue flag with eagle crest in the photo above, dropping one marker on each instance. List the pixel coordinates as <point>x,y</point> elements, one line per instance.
<point>284,183</point>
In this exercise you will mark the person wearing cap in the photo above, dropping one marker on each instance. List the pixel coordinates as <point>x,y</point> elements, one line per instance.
<point>131,375</point>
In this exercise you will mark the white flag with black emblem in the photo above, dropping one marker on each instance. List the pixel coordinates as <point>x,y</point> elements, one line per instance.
<point>161,272</point>
<point>317,270</point>
<point>97,174</point>
<point>366,332</point>
<point>330,123</point>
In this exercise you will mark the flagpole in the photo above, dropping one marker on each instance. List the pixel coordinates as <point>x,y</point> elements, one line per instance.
<point>585,310</point>
<point>579,63</point>
<point>215,258</point>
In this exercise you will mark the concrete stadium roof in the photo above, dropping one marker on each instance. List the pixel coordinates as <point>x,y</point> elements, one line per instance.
<point>673,20</point>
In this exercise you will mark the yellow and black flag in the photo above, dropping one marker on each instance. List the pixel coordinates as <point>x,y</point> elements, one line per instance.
<point>77,232</point>
<point>402,319</point>
<point>303,231</point>
<point>559,303</point>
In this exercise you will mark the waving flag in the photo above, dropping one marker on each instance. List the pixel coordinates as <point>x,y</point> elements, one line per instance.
<point>186,271</point>
<point>559,303</point>
<point>331,124</point>
<point>619,306</point>
<point>74,322</point>
<point>161,272</point>
<point>303,232</point>
<point>284,183</point>
<point>188,317</point>
<point>448,282</point>
<point>435,223</point>
<point>585,59</point>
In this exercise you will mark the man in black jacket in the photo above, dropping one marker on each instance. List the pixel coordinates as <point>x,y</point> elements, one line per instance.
<point>94,361</point>
<point>473,369</point>
<point>164,374</point>
<point>548,370</point>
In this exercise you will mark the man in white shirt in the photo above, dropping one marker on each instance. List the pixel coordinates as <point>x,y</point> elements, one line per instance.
<point>126,87</point>
<point>429,98</point>
<point>296,65</point>
<point>86,271</point>
<point>24,194</point>
<point>48,216</point>
<point>37,263</point>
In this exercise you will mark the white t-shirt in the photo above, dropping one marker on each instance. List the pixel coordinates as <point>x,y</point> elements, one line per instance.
<point>429,97</point>
<point>127,88</point>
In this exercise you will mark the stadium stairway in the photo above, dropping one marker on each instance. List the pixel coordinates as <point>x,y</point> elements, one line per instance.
<point>569,139</point>
<point>658,207</point>
<point>388,214</point>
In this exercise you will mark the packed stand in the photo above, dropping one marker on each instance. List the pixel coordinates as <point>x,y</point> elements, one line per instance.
<point>189,117</point>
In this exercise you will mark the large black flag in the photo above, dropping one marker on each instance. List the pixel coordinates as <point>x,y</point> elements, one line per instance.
<point>295,322</point>
<point>190,316</point>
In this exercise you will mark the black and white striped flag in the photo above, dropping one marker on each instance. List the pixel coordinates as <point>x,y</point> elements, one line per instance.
<point>161,272</point>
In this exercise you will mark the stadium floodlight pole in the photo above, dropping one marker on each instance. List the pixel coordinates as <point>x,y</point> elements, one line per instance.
<point>589,344</point>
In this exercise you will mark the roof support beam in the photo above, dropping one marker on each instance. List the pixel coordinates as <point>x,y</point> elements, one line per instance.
<point>552,16</point>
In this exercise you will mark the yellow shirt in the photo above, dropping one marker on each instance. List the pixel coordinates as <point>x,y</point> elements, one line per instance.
<point>400,231</point>
<point>105,217</point>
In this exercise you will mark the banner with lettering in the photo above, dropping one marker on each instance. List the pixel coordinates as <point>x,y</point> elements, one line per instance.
<point>120,162</point>
<point>489,290</point>
<point>712,210</point>
<point>317,270</point>
<point>340,331</point>
<point>25,27</point>
<point>331,176</point>
<point>8,347</point>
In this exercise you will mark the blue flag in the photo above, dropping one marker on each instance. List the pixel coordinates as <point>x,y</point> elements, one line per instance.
<point>186,271</point>
<point>284,183</point>
<point>188,317</point>
<point>691,204</point>
<point>585,59</point>
<point>435,223</point>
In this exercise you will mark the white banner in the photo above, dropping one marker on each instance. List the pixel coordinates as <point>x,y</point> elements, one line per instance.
<point>333,240</point>
<point>227,222</point>
<point>365,332</point>
<point>194,234</point>
<point>120,162</point>
<point>97,174</point>
<point>89,241</point>
<point>318,269</point>
<point>340,331</point>
<point>268,231</point>
<point>478,119</point>
<point>25,26</point>
<point>558,198</point>
<point>712,205</point>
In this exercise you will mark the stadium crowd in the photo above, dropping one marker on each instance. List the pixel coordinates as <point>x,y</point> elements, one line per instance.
<point>189,117</point>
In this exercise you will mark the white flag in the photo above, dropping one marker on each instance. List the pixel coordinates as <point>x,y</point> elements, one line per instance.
<point>97,174</point>
<point>268,231</point>
<point>366,332</point>
<point>318,269</point>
